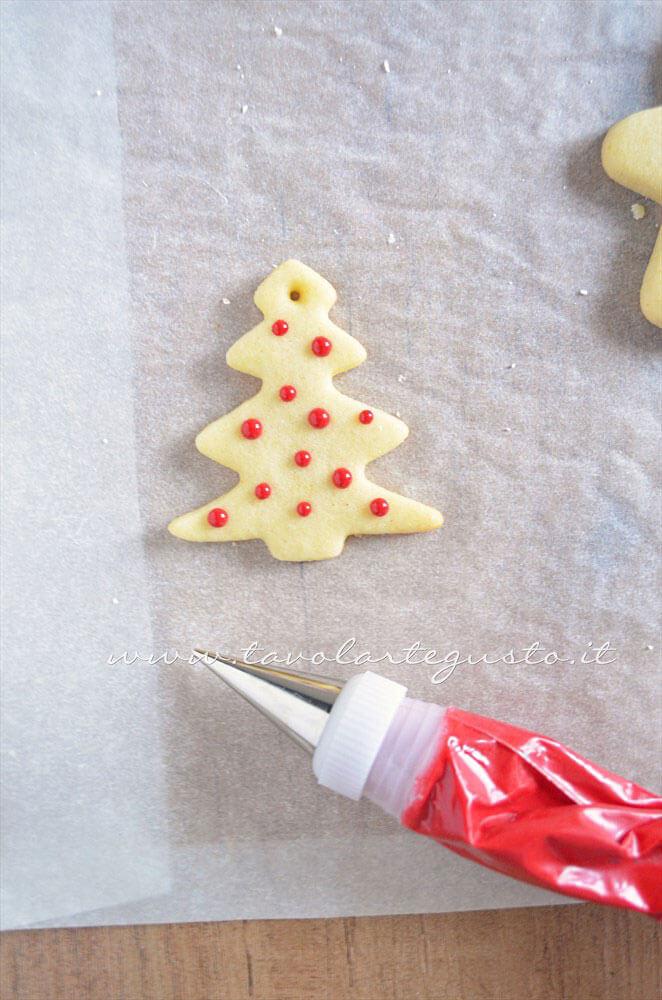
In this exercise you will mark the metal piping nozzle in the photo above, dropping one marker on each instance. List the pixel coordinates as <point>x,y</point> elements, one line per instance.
<point>297,703</point>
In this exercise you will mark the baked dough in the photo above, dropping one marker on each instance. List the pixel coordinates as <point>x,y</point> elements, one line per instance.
<point>303,510</point>
<point>632,156</point>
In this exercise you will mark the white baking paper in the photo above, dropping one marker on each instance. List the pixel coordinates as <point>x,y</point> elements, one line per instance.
<point>501,322</point>
<point>83,781</point>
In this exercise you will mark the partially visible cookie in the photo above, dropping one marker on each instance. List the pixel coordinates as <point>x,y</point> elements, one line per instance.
<point>300,446</point>
<point>632,156</point>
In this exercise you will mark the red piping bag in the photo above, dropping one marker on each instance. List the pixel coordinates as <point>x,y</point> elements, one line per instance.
<point>512,800</point>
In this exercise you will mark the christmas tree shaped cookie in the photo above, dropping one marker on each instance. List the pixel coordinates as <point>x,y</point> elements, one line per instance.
<point>300,446</point>
<point>632,156</point>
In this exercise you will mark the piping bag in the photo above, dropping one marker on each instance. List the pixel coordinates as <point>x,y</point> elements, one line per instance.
<point>512,800</point>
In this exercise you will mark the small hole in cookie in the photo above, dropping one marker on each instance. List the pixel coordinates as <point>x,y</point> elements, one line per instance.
<point>295,295</point>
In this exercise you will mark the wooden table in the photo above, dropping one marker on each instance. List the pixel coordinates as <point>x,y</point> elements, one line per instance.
<point>546,953</point>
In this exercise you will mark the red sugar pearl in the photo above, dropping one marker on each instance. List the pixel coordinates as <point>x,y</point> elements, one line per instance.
<point>304,508</point>
<point>287,393</point>
<point>379,507</point>
<point>251,429</point>
<point>303,458</point>
<point>321,346</point>
<point>318,417</point>
<point>342,478</point>
<point>366,416</point>
<point>262,491</point>
<point>217,517</point>
<point>280,328</point>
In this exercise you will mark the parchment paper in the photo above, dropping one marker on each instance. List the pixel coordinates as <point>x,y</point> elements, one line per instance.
<point>83,783</point>
<point>533,408</point>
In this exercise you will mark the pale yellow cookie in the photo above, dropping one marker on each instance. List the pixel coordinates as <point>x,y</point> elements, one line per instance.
<point>300,446</point>
<point>632,156</point>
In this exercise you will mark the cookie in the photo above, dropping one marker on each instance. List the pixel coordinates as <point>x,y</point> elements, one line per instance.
<point>632,156</point>
<point>300,446</point>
